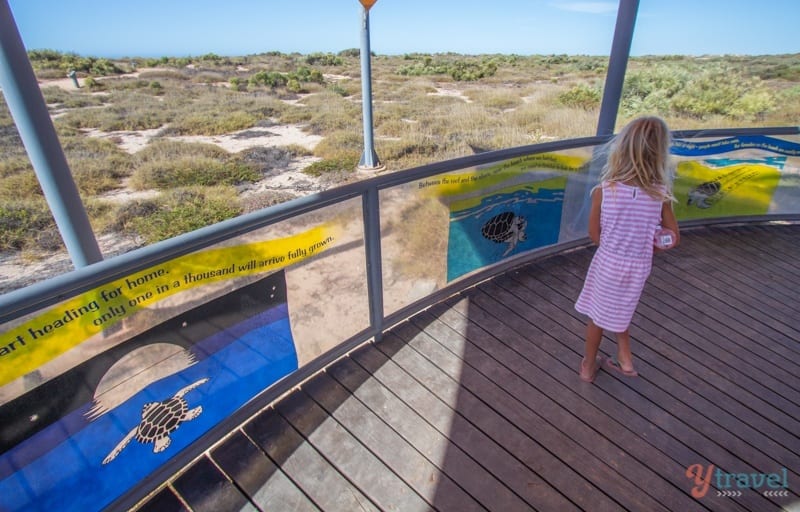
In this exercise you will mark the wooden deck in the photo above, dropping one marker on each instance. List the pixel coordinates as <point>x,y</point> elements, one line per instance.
<point>476,404</point>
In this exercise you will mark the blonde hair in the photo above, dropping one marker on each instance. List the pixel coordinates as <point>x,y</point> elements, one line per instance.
<point>639,156</point>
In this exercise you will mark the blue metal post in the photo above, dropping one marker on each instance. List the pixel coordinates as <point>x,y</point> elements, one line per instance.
<point>617,63</point>
<point>27,107</point>
<point>369,159</point>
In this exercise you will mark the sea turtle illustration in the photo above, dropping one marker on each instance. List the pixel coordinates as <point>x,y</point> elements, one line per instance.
<point>703,194</point>
<point>506,227</point>
<point>159,419</point>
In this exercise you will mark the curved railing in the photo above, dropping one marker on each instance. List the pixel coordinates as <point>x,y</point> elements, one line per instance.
<point>122,371</point>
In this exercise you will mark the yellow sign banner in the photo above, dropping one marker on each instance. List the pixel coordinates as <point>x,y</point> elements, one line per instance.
<point>368,3</point>
<point>48,335</point>
<point>482,179</point>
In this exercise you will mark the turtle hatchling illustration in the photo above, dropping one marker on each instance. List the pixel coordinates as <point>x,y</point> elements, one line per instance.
<point>506,227</point>
<point>703,194</point>
<point>159,420</point>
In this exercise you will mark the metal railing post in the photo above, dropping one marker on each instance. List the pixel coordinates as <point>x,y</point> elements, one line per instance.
<point>372,246</point>
<point>27,107</point>
<point>617,63</point>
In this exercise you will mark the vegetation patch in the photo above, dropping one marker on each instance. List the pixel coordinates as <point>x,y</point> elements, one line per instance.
<point>178,211</point>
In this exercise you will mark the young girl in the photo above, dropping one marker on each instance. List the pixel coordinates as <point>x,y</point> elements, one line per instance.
<point>633,200</point>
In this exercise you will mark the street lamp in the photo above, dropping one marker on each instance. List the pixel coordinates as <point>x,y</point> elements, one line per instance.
<point>369,159</point>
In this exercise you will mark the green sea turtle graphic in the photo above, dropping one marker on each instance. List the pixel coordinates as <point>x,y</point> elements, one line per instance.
<point>506,227</point>
<point>159,419</point>
<point>705,194</point>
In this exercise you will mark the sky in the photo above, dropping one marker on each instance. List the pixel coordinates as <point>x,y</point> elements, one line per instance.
<point>175,28</point>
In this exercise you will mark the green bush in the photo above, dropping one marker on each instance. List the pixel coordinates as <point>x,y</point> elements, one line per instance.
<point>128,111</point>
<point>581,96</point>
<point>345,163</point>
<point>238,84</point>
<point>193,171</point>
<point>270,79</point>
<point>21,221</point>
<point>162,150</point>
<point>350,52</point>
<point>168,164</point>
<point>324,59</point>
<point>23,184</point>
<point>203,123</point>
<point>182,210</point>
<point>651,90</point>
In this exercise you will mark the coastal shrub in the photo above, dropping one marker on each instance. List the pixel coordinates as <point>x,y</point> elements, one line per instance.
<point>326,113</point>
<point>581,96</point>
<point>167,164</point>
<point>270,79</point>
<point>499,99</point>
<point>19,184</point>
<point>460,70</point>
<point>20,222</point>
<point>464,71</point>
<point>203,123</point>
<point>304,74</point>
<point>332,146</point>
<point>238,84</point>
<point>97,165</point>
<point>43,60</point>
<point>346,162</point>
<point>652,90</point>
<point>350,52</point>
<point>129,110</point>
<point>324,59</point>
<point>161,150</point>
<point>182,210</point>
<point>190,171</point>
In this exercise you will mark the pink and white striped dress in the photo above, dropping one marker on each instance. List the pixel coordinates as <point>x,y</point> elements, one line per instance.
<point>629,218</point>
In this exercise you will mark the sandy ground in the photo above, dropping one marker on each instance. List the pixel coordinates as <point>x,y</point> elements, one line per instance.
<point>327,295</point>
<point>18,270</point>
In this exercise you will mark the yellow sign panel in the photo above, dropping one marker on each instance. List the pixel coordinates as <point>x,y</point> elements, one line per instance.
<point>368,3</point>
<point>50,334</point>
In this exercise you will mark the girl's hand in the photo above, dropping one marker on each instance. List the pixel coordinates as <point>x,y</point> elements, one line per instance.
<point>669,222</point>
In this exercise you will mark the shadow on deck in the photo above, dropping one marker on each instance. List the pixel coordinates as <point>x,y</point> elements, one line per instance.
<point>476,404</point>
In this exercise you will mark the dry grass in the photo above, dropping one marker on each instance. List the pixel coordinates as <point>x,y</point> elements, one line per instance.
<point>415,123</point>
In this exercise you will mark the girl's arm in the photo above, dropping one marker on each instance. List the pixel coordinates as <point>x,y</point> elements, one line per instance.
<point>668,220</point>
<point>594,215</point>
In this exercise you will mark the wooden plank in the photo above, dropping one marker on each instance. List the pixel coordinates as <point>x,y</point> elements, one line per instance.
<point>349,456</point>
<point>710,343</point>
<point>257,476</point>
<point>761,246</point>
<point>664,381</point>
<point>513,403</point>
<point>688,425</point>
<point>497,471</point>
<point>774,346</point>
<point>206,489</point>
<point>401,457</point>
<point>696,341</point>
<point>766,311</point>
<point>410,418</point>
<point>773,280</point>
<point>479,465</point>
<point>164,501</point>
<point>304,465</point>
<point>551,362</point>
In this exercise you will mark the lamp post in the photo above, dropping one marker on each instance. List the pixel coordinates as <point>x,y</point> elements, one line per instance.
<point>369,159</point>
